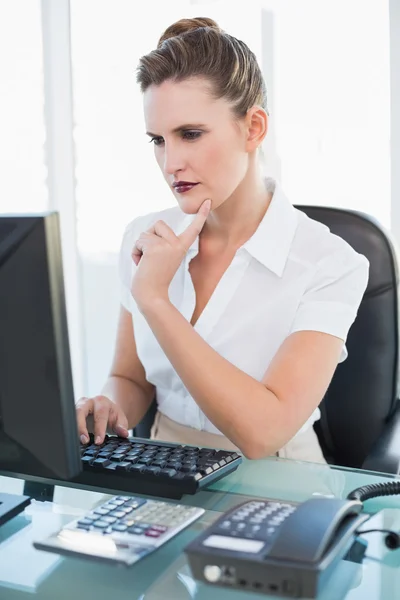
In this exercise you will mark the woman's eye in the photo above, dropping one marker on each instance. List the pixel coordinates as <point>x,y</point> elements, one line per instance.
<point>156,140</point>
<point>191,135</point>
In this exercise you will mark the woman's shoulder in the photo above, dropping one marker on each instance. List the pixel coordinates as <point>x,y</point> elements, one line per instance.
<point>315,243</point>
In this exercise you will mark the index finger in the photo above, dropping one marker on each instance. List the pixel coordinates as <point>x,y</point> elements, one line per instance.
<point>188,236</point>
<point>83,408</point>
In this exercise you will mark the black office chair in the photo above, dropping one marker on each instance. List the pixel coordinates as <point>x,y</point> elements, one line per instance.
<point>360,414</point>
<point>360,422</point>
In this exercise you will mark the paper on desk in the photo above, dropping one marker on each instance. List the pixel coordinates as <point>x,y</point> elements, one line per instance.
<point>21,565</point>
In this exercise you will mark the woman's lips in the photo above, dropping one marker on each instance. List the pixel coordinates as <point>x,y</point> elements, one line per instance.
<point>185,187</point>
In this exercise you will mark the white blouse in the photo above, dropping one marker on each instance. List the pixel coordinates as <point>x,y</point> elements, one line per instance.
<point>291,275</point>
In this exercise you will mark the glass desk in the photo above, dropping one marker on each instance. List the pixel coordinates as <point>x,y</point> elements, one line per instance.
<point>29,573</point>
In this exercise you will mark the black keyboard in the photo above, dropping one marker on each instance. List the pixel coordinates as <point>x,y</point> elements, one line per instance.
<point>143,466</point>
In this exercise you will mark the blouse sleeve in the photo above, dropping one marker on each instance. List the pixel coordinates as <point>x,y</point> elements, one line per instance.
<point>331,302</point>
<point>126,266</point>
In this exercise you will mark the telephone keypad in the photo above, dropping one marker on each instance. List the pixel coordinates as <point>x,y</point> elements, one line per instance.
<point>257,520</point>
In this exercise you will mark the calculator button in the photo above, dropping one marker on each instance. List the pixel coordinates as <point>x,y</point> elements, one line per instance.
<point>117,502</point>
<point>160,528</point>
<point>130,522</point>
<point>85,521</point>
<point>119,514</point>
<point>153,533</point>
<point>136,502</point>
<point>126,509</point>
<point>101,511</point>
<point>109,520</point>
<point>119,527</point>
<point>136,530</point>
<point>100,524</point>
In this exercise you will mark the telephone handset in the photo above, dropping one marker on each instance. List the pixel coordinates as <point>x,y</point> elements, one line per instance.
<point>276,547</point>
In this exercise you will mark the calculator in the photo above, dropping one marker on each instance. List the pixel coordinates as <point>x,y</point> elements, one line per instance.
<point>122,530</point>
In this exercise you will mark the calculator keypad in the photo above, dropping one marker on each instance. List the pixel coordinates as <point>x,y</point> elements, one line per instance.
<point>137,519</point>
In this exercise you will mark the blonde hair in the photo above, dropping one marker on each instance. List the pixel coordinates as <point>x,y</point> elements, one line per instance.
<point>200,48</point>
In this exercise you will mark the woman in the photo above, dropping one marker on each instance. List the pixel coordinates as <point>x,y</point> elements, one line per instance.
<point>235,306</point>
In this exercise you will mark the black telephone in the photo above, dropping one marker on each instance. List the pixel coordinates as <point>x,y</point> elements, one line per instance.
<point>280,548</point>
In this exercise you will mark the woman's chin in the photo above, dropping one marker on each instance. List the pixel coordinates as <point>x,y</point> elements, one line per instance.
<point>189,207</point>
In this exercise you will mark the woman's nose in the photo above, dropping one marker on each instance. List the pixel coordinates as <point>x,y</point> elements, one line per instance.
<point>173,160</point>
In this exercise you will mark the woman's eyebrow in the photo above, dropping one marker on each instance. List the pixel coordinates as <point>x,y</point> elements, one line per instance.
<point>186,126</point>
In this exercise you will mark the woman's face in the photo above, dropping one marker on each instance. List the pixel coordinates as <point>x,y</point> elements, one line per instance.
<point>196,140</point>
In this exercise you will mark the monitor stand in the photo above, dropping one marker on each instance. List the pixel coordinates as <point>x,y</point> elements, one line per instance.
<point>11,505</point>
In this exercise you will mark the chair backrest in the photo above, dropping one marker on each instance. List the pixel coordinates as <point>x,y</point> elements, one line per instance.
<point>363,391</point>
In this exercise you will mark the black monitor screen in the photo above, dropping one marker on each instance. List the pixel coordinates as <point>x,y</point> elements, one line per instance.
<point>38,433</point>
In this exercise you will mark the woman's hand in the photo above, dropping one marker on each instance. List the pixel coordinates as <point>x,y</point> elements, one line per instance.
<point>158,253</point>
<point>104,414</point>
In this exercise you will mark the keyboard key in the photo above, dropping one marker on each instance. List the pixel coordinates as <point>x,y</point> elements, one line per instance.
<point>100,462</point>
<point>159,463</point>
<point>104,454</point>
<point>123,466</point>
<point>91,452</point>
<point>168,472</point>
<point>111,467</point>
<point>137,468</point>
<point>152,470</point>
<point>174,464</point>
<point>143,460</point>
<point>206,470</point>
<point>117,457</point>
<point>189,468</point>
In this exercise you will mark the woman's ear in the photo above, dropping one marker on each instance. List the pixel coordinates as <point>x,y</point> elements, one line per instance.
<point>256,127</point>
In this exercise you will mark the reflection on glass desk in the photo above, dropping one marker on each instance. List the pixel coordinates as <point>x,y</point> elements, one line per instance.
<point>29,573</point>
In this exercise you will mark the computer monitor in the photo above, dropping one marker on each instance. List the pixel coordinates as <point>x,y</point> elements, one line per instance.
<point>38,432</point>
